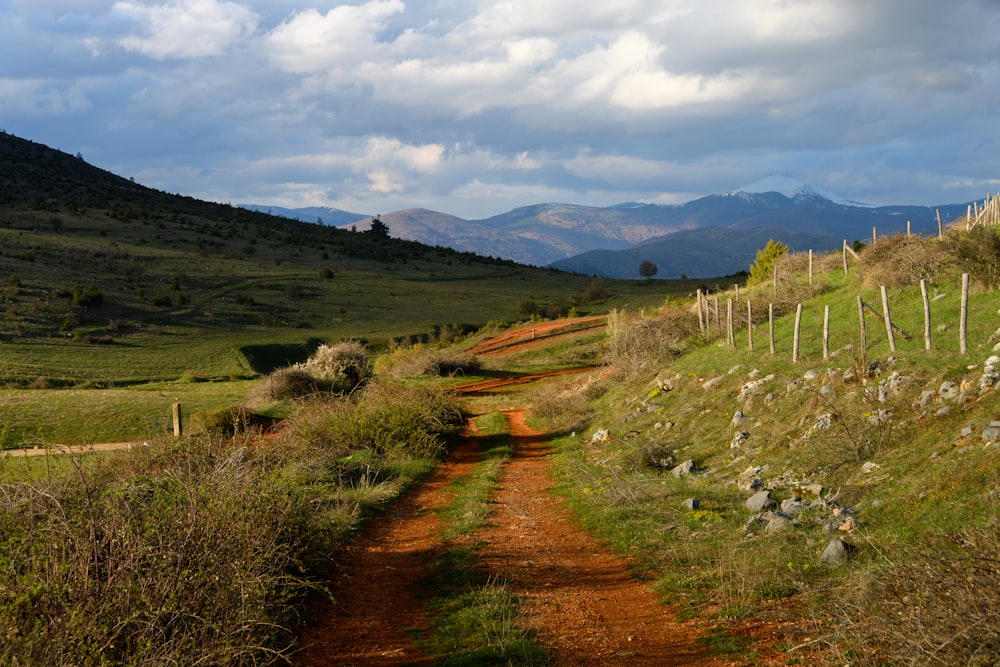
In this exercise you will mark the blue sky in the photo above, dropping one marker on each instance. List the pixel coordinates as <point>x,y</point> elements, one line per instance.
<point>473,108</point>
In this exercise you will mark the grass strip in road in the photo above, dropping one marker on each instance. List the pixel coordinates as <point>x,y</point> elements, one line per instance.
<point>476,617</point>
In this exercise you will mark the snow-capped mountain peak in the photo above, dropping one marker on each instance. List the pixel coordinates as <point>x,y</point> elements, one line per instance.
<point>793,189</point>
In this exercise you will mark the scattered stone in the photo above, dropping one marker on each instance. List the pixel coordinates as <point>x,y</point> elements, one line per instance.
<point>967,431</point>
<point>810,375</point>
<point>759,501</point>
<point>822,423</point>
<point>738,418</point>
<point>778,523</point>
<point>791,506</point>
<point>943,411</point>
<point>992,432</point>
<point>601,435</point>
<point>753,374</point>
<point>883,416</point>
<point>740,438</point>
<point>926,396</point>
<point>710,384</point>
<point>837,552</point>
<point>692,504</point>
<point>684,469</point>
<point>948,391</point>
<point>869,467</point>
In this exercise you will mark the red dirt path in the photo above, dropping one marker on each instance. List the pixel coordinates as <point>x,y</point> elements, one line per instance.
<point>580,601</point>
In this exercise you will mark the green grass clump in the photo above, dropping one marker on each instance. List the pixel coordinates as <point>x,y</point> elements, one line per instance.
<point>391,419</point>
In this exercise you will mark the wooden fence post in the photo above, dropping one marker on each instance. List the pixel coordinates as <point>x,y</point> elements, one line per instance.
<point>774,280</point>
<point>770,325</point>
<point>810,266</point>
<point>749,325</point>
<point>963,320</point>
<point>888,320</point>
<point>874,235</point>
<point>826,333</point>
<point>864,335</point>
<point>701,313</point>
<point>907,227</point>
<point>178,424</point>
<point>795,336</point>
<point>845,257</point>
<point>940,226</point>
<point>729,322</point>
<point>927,314</point>
<point>718,318</point>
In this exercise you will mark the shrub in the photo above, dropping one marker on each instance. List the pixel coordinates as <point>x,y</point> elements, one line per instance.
<point>899,261</point>
<point>388,419</point>
<point>90,295</point>
<point>184,555</point>
<point>229,421</point>
<point>977,252</point>
<point>282,385</point>
<point>941,603</point>
<point>566,407</point>
<point>644,342</point>
<point>762,268</point>
<point>339,368</point>
<point>420,360</point>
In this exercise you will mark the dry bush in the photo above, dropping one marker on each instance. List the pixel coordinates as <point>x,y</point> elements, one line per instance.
<point>189,555</point>
<point>976,252</point>
<point>421,360</point>
<point>565,406</point>
<point>341,367</point>
<point>282,385</point>
<point>644,342</point>
<point>798,263</point>
<point>337,369</point>
<point>901,261</point>
<point>942,604</point>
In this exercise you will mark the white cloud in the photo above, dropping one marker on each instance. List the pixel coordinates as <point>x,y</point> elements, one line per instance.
<point>312,42</point>
<point>185,28</point>
<point>36,97</point>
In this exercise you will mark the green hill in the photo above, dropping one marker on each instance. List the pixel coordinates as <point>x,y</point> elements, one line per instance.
<point>105,281</point>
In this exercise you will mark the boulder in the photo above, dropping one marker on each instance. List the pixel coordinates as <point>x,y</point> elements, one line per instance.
<point>759,501</point>
<point>837,552</point>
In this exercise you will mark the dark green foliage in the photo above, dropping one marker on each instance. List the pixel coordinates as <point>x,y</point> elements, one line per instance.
<point>90,295</point>
<point>648,269</point>
<point>762,268</point>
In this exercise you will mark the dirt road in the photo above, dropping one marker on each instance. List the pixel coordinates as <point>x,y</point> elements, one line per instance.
<point>580,601</point>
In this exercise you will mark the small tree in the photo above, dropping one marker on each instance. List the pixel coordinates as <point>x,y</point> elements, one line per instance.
<point>763,264</point>
<point>378,228</point>
<point>648,269</point>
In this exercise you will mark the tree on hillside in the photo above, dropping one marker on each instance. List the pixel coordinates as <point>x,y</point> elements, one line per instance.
<point>648,269</point>
<point>378,228</point>
<point>763,264</point>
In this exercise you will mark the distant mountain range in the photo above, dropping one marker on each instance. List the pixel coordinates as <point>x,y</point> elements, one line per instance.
<point>710,236</point>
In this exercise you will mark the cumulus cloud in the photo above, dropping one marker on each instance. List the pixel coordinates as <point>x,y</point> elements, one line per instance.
<point>477,106</point>
<point>184,29</point>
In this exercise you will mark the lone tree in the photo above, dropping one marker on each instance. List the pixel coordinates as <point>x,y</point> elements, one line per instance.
<point>647,269</point>
<point>378,228</point>
<point>763,263</point>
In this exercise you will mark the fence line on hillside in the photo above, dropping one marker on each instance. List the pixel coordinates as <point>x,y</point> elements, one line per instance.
<point>988,214</point>
<point>883,316</point>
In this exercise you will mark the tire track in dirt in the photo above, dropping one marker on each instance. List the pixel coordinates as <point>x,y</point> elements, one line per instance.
<point>376,587</point>
<point>580,600</point>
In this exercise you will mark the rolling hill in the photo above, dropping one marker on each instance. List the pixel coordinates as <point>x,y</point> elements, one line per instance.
<point>587,238</point>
